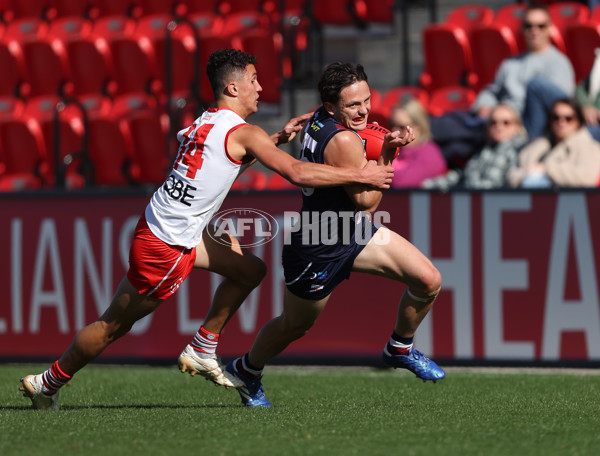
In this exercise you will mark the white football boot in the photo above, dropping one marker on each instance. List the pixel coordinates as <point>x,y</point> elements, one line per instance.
<point>31,386</point>
<point>210,368</point>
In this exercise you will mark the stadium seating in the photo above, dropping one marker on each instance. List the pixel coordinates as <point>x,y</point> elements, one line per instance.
<point>148,130</point>
<point>447,55</point>
<point>10,107</point>
<point>511,16</point>
<point>176,74</point>
<point>564,14</point>
<point>469,16</point>
<point>581,42</point>
<point>381,12</point>
<point>448,99</point>
<point>200,6</point>
<point>20,170</point>
<point>401,94</point>
<point>63,141</point>
<point>267,48</point>
<point>490,45</point>
<point>251,179</point>
<point>277,182</point>
<point>12,76</point>
<point>338,12</point>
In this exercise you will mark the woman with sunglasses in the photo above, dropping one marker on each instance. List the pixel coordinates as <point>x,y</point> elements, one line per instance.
<point>505,136</point>
<point>567,157</point>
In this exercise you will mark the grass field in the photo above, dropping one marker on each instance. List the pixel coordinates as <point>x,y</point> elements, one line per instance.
<point>125,410</point>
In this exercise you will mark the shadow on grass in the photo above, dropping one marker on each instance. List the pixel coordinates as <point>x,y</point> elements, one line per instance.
<point>122,407</point>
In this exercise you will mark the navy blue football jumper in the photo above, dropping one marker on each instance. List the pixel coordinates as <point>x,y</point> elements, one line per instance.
<point>330,233</point>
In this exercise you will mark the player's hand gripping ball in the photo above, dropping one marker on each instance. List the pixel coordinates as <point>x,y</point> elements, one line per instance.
<point>372,137</point>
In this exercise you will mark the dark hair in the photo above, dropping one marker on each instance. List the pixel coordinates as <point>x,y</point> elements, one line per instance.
<point>536,6</point>
<point>336,76</point>
<point>222,64</point>
<point>574,106</point>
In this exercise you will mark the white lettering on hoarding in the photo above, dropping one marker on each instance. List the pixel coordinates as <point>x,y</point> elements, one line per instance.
<point>456,271</point>
<point>499,275</point>
<point>85,268</point>
<point>16,262</point>
<point>570,315</point>
<point>48,251</point>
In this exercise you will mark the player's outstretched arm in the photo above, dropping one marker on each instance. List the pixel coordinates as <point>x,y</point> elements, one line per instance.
<point>289,131</point>
<point>254,141</point>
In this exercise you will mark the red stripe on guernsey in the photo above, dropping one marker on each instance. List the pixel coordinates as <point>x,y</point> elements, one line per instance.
<point>237,162</point>
<point>196,160</point>
<point>191,149</point>
<point>183,147</point>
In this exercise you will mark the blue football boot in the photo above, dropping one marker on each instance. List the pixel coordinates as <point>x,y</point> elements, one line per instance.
<point>252,391</point>
<point>416,362</point>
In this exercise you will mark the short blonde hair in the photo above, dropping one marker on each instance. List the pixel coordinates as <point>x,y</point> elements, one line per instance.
<point>418,116</point>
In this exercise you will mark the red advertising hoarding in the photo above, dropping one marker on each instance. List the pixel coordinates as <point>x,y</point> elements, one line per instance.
<point>520,279</point>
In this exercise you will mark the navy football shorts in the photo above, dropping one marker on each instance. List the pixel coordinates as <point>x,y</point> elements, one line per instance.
<point>315,279</point>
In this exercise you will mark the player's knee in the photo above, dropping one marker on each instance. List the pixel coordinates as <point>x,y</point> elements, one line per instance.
<point>430,282</point>
<point>253,273</point>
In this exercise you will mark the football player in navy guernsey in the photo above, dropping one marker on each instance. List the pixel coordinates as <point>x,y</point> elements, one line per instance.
<point>171,236</point>
<point>314,266</point>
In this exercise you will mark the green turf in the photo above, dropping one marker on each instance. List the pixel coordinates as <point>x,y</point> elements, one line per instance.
<point>328,411</point>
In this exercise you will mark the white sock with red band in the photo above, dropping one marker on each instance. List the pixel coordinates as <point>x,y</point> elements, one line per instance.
<point>54,379</point>
<point>205,343</point>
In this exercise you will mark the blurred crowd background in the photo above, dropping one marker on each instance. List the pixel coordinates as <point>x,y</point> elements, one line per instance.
<point>93,92</point>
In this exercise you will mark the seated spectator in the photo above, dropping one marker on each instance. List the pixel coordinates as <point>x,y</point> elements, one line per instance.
<point>533,80</point>
<point>529,82</point>
<point>568,157</point>
<point>487,169</point>
<point>587,95</point>
<point>420,159</point>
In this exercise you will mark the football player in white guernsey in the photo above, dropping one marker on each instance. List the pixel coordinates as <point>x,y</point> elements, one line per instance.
<point>171,239</point>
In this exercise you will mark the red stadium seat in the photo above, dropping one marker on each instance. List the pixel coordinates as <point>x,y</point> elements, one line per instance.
<point>207,23</point>
<point>595,14</point>
<point>511,15</point>
<point>251,179</point>
<point>468,16</point>
<point>565,14</point>
<point>200,6</point>
<point>401,94</point>
<point>71,8</point>
<point>581,41</point>
<point>490,45</point>
<point>26,9</point>
<point>90,66</point>
<point>12,76</point>
<point>10,107</point>
<point>337,12</point>
<point>114,26</point>
<point>447,57</point>
<point>180,69</point>
<point>381,12</point>
<point>104,8</point>
<point>66,149</point>
<point>448,99</point>
<point>25,28</point>
<point>267,48</point>
<point>149,132</point>
<point>208,45</point>
<point>237,23</point>
<point>109,152</point>
<point>17,135</point>
<point>135,64</point>
<point>46,67</point>
<point>170,7</point>
<point>277,182</point>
